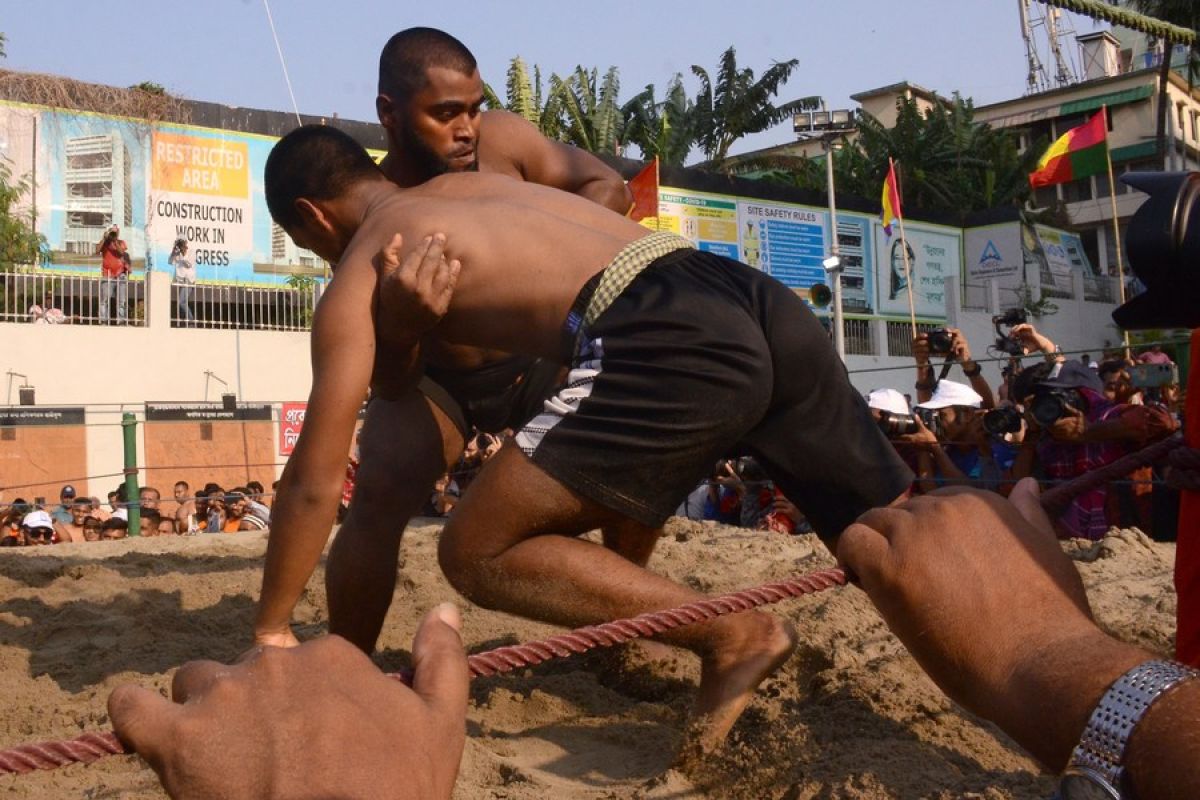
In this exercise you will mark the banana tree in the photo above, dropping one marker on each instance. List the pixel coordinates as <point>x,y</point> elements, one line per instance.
<point>589,106</point>
<point>737,105</point>
<point>667,129</point>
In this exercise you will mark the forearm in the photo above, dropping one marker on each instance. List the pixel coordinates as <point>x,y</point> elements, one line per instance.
<point>398,369</point>
<point>1068,679</point>
<point>1164,750</point>
<point>981,386</point>
<point>925,382</point>
<point>300,525</point>
<point>925,472</point>
<point>1026,458</point>
<point>612,193</point>
<point>949,470</point>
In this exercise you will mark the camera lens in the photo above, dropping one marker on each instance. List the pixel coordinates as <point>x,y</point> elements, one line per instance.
<point>999,421</point>
<point>1048,408</point>
<point>893,424</point>
<point>940,342</point>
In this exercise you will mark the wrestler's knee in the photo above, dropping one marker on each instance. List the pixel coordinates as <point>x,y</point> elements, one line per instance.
<point>466,566</point>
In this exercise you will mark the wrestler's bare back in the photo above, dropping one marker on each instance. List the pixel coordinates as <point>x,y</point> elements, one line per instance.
<point>526,250</point>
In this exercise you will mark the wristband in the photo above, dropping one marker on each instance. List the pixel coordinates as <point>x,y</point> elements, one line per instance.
<point>972,373</point>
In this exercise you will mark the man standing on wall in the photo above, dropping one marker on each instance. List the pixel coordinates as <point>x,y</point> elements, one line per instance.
<point>114,274</point>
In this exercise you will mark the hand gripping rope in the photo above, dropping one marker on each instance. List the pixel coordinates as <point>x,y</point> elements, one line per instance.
<point>92,746</point>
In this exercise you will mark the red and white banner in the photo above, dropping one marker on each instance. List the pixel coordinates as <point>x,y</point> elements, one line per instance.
<point>291,420</point>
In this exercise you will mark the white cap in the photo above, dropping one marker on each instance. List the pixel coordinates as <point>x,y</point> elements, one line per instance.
<point>37,519</point>
<point>949,393</point>
<point>887,400</point>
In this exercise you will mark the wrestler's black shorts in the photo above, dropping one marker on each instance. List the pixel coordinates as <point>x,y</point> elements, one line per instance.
<point>698,358</point>
<point>499,395</point>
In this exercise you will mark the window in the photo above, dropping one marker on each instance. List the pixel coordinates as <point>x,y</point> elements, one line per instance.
<point>1091,246</point>
<point>1075,191</point>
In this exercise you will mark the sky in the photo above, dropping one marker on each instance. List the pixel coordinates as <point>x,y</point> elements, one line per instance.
<point>222,50</point>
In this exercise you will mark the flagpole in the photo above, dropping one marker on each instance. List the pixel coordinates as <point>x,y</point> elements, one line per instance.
<point>912,312</point>
<point>1112,195</point>
<point>657,184</point>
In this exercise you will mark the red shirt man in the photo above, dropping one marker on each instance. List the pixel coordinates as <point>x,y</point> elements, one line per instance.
<point>113,252</point>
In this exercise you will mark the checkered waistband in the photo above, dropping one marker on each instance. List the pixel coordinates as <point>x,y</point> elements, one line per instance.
<point>626,265</point>
<point>606,285</point>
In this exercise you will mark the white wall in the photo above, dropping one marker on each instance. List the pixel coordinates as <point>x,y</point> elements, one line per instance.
<point>112,369</point>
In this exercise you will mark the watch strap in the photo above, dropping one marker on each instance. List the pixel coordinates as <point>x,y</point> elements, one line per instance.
<point>1101,748</point>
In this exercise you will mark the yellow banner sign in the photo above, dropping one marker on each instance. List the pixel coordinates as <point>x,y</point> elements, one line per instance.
<point>200,165</point>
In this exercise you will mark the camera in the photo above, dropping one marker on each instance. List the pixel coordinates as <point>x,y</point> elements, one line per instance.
<point>999,421</point>
<point>1163,241</point>
<point>1050,404</point>
<point>941,343</point>
<point>893,424</point>
<point>1004,342</point>
<point>931,418</point>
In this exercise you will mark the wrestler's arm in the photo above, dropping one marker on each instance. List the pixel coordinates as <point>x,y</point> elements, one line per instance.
<point>343,354</point>
<point>555,164</point>
<point>979,591</point>
<point>412,294</point>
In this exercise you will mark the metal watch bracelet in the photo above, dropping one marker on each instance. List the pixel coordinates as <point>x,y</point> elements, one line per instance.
<point>1101,748</point>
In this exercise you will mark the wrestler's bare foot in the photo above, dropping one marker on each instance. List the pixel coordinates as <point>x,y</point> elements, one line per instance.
<point>746,654</point>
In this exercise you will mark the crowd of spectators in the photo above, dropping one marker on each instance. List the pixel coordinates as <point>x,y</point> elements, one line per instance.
<point>1054,420</point>
<point>75,518</point>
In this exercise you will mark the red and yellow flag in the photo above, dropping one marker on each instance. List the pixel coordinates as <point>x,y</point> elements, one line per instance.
<point>644,188</point>
<point>891,200</point>
<point>1078,153</point>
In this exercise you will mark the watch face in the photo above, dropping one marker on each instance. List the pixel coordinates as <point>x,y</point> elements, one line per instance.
<point>1083,784</point>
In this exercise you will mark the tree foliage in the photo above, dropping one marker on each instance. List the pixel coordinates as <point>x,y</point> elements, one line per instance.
<point>524,98</point>
<point>589,106</point>
<point>20,244</point>
<point>736,104</point>
<point>946,162</point>
<point>667,129</point>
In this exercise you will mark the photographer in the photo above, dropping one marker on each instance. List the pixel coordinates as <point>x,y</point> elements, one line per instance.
<point>952,343</point>
<point>950,441</point>
<point>185,280</point>
<point>1072,428</point>
<point>115,267</point>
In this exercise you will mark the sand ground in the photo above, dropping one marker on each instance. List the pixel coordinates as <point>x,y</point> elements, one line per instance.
<point>849,716</point>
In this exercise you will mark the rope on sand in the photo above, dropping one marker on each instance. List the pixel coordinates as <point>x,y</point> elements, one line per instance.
<point>92,746</point>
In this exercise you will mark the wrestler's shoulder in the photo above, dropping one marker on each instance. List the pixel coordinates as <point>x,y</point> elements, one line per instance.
<point>505,139</point>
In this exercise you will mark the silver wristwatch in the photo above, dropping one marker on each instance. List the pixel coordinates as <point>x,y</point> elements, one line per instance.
<point>1096,766</point>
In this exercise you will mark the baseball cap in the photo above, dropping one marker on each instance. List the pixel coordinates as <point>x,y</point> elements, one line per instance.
<point>37,519</point>
<point>67,491</point>
<point>1074,375</point>
<point>951,393</point>
<point>887,400</point>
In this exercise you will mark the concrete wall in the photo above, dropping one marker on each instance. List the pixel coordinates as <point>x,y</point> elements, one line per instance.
<point>115,369</point>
